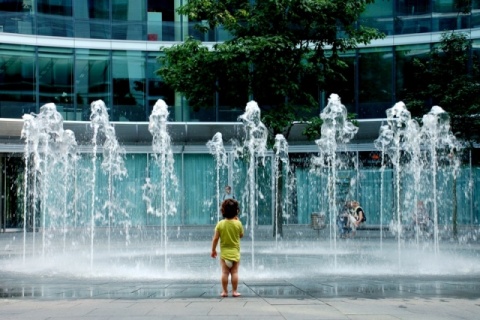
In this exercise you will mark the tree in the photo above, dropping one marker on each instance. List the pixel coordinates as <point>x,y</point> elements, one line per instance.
<point>282,54</point>
<point>449,78</point>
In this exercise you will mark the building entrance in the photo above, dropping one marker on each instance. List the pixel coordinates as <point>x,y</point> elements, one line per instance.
<point>11,179</point>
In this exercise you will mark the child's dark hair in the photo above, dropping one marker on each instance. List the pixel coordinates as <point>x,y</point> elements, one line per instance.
<point>230,208</point>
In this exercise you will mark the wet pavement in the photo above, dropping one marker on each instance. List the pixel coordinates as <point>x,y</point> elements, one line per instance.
<point>336,297</point>
<point>359,290</point>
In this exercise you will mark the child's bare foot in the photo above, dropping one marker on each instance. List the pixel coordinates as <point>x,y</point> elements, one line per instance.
<point>236,294</point>
<point>224,294</point>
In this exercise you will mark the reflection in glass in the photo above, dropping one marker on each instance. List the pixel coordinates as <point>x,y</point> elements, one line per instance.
<point>379,15</point>
<point>17,80</point>
<point>92,19</point>
<point>405,76</point>
<point>128,20</point>
<point>128,79</point>
<point>157,89</point>
<point>343,84</point>
<point>375,82</point>
<point>92,80</point>
<point>55,77</point>
<point>161,17</point>
<point>54,18</point>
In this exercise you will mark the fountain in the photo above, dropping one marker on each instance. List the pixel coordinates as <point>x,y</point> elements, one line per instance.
<point>77,219</point>
<point>49,157</point>
<point>416,152</point>
<point>166,186</point>
<point>282,185</point>
<point>336,130</point>
<point>112,165</point>
<point>216,148</point>
<point>256,147</point>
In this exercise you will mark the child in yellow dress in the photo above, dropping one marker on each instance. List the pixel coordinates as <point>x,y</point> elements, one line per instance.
<point>229,231</point>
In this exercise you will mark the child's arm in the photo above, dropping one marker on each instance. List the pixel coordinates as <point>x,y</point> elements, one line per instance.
<point>216,236</point>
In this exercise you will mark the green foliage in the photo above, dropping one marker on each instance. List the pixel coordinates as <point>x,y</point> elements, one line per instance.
<point>449,78</point>
<point>277,50</point>
<point>313,130</point>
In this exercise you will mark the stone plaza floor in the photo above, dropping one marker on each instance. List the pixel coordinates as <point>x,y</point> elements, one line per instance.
<point>287,280</point>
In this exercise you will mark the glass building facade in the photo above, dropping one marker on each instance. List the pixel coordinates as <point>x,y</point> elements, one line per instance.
<point>72,53</point>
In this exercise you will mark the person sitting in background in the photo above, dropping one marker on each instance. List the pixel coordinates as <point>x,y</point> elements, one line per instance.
<point>228,193</point>
<point>356,215</point>
<point>351,218</point>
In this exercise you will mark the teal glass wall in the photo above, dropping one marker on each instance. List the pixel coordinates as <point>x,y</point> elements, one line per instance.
<point>200,194</point>
<point>123,203</point>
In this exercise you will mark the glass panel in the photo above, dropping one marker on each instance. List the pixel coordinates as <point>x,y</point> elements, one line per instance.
<point>375,82</point>
<point>131,205</point>
<point>345,89</point>
<point>405,77</point>
<point>55,77</point>
<point>161,21</point>
<point>55,18</point>
<point>57,26</point>
<point>129,20</point>
<point>311,194</point>
<point>200,189</point>
<point>379,15</point>
<point>128,78</point>
<point>16,16</point>
<point>371,183</point>
<point>17,81</point>
<point>92,78</point>
<point>128,31</point>
<point>447,17</point>
<point>55,7</point>
<point>475,18</point>
<point>264,193</point>
<point>92,19</point>
<point>157,88</point>
<point>164,200</point>
<point>413,16</point>
<point>13,180</point>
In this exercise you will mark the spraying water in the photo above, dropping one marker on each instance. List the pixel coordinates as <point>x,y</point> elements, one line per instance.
<point>216,148</point>
<point>414,151</point>
<point>336,130</point>
<point>382,143</point>
<point>442,143</point>
<point>281,174</point>
<point>112,164</point>
<point>163,156</point>
<point>50,153</point>
<point>256,145</point>
<point>392,141</point>
<point>47,198</point>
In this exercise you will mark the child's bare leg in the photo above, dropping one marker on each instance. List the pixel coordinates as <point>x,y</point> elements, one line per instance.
<point>234,275</point>
<point>225,273</point>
